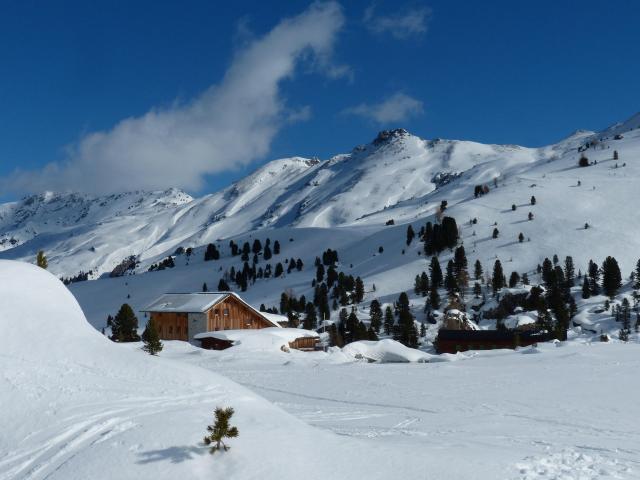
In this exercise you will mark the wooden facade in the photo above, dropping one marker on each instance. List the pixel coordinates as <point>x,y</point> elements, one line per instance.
<point>305,343</point>
<point>171,325</point>
<point>233,314</point>
<point>452,341</point>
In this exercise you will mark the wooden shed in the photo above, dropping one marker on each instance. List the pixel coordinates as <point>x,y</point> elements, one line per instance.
<point>452,341</point>
<point>181,316</point>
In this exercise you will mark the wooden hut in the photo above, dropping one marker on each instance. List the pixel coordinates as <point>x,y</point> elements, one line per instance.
<point>452,341</point>
<point>181,316</point>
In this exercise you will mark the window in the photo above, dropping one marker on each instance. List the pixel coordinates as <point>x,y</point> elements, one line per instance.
<point>225,311</point>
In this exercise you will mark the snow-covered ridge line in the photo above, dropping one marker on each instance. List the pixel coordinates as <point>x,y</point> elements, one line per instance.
<point>398,175</point>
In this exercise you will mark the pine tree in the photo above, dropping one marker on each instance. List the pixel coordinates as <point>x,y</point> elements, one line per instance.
<point>220,430</point>
<point>41,260</point>
<point>359,290</point>
<point>586,288</point>
<point>594,276</point>
<point>310,320</point>
<point>125,325</point>
<point>375,315</point>
<point>450,282</point>
<point>435,272</point>
<point>477,270</point>
<point>424,284</point>
<point>569,271</point>
<point>279,270</point>
<point>434,298</point>
<point>514,279</point>
<point>611,277</point>
<point>151,339</point>
<point>223,286</point>
<point>496,232</point>
<point>276,247</point>
<point>533,200</point>
<point>477,289</point>
<point>520,237</point>
<point>497,280</point>
<point>410,235</point>
<point>530,216</point>
<point>388,320</point>
<point>636,285</point>
<point>204,287</point>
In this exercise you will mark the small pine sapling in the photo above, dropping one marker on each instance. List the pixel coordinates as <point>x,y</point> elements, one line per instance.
<point>220,430</point>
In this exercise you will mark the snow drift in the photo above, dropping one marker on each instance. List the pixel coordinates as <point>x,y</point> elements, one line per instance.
<point>76,405</point>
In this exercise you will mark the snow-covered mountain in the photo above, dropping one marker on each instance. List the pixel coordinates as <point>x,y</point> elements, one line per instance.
<point>398,175</point>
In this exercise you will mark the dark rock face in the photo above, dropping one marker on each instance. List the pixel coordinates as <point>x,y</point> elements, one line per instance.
<point>386,135</point>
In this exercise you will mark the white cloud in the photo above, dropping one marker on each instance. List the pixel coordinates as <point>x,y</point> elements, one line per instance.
<point>399,107</point>
<point>402,25</point>
<point>227,126</point>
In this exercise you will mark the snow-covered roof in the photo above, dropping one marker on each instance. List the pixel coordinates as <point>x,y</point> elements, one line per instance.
<point>275,317</point>
<point>186,302</point>
<point>288,334</point>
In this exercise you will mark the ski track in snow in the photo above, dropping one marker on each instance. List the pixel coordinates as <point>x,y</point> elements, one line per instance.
<point>70,436</point>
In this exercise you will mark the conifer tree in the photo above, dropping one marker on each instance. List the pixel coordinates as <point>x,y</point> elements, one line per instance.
<point>477,289</point>
<point>594,277</point>
<point>223,286</point>
<point>497,280</point>
<point>220,430</point>
<point>204,287</point>
<point>434,298</point>
<point>569,271</point>
<point>436,272</point>
<point>125,325</point>
<point>496,232</point>
<point>514,279</point>
<point>450,282</point>
<point>611,277</point>
<point>586,288</point>
<point>477,270</point>
<point>424,284</point>
<point>375,315</point>
<point>520,237</point>
<point>279,270</point>
<point>41,260</point>
<point>388,320</point>
<point>310,320</point>
<point>267,252</point>
<point>410,234</point>
<point>359,290</point>
<point>636,284</point>
<point>533,200</point>
<point>276,247</point>
<point>151,339</point>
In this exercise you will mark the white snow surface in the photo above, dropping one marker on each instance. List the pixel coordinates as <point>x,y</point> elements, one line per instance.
<point>77,406</point>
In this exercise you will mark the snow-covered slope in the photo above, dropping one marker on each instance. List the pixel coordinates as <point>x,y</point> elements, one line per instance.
<point>76,405</point>
<point>344,203</point>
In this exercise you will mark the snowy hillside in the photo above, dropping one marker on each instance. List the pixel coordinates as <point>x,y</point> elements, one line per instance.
<point>76,405</point>
<point>397,176</point>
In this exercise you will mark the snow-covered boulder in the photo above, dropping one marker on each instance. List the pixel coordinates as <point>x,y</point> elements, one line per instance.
<point>385,351</point>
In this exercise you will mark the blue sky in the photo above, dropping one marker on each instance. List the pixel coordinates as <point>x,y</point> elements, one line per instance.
<point>79,80</point>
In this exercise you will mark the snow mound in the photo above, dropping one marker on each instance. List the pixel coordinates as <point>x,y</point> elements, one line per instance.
<point>385,351</point>
<point>271,338</point>
<point>40,318</point>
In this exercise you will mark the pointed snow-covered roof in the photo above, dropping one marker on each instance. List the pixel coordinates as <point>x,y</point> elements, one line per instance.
<point>186,302</point>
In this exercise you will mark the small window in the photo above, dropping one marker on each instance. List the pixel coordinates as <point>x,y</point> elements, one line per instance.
<point>225,311</point>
